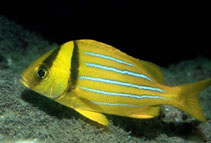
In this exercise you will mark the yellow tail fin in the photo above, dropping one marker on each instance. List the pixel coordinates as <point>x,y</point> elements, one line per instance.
<point>188,98</point>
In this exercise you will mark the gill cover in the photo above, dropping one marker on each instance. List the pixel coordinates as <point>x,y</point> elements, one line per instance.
<point>49,75</point>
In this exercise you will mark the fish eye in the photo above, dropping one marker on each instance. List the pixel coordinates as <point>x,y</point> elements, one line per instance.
<point>41,72</point>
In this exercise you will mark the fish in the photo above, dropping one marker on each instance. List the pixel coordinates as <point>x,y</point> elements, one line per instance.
<point>94,78</point>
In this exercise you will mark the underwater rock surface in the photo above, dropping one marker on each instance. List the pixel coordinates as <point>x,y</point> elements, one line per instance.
<point>26,115</point>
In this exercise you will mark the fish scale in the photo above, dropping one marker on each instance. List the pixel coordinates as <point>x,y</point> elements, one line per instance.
<point>111,75</point>
<point>94,78</point>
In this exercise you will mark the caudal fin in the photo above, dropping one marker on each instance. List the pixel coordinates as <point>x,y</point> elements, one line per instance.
<point>188,98</point>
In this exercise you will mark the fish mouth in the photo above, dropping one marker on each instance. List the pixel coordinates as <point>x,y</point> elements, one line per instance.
<point>24,81</point>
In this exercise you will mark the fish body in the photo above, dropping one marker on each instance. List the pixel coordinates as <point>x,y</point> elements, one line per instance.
<point>94,78</point>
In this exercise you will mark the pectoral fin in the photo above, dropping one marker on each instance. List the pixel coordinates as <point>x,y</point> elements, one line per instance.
<point>97,117</point>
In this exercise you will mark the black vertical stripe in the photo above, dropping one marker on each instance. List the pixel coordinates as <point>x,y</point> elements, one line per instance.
<point>50,59</point>
<point>74,66</point>
<point>46,64</point>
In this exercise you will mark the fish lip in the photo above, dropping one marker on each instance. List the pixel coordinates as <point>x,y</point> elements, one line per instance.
<point>24,81</point>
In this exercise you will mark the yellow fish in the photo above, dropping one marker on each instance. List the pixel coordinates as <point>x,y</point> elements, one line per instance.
<point>94,78</point>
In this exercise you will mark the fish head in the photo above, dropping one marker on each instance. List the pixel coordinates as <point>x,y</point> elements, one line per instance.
<point>44,78</point>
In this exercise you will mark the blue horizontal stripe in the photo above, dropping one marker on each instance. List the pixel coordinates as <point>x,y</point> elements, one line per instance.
<point>117,70</point>
<point>109,58</point>
<point>121,94</point>
<point>114,104</point>
<point>120,83</point>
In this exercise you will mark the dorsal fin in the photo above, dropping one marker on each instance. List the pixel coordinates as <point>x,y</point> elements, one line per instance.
<point>153,70</point>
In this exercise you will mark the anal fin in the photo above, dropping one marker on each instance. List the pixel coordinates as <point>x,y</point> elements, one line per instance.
<point>145,112</point>
<point>97,117</point>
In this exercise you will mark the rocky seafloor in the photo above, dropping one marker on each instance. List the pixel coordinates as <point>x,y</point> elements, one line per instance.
<point>30,117</point>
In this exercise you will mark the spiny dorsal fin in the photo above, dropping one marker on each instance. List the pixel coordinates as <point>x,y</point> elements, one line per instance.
<point>152,69</point>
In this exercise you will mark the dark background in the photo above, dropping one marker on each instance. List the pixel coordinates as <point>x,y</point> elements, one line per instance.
<point>164,33</point>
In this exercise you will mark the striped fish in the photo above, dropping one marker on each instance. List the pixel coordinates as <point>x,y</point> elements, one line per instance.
<point>94,78</point>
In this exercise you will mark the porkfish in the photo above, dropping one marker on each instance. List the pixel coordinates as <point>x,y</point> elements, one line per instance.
<point>94,78</point>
